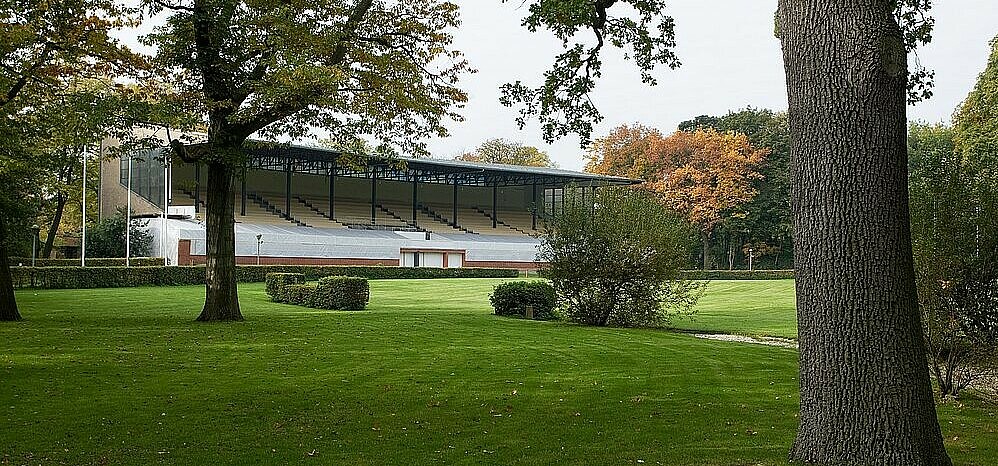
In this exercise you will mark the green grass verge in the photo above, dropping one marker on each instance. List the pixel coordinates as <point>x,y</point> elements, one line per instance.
<point>427,375</point>
<point>746,307</point>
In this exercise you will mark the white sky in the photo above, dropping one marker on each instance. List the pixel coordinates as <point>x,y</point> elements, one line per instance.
<point>730,60</point>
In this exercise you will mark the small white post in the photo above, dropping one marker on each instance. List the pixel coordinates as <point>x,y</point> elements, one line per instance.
<point>259,241</point>
<point>750,257</point>
<point>128,216</point>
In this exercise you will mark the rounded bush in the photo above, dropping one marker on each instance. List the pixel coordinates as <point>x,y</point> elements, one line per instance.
<point>277,281</point>
<point>342,293</point>
<point>512,299</point>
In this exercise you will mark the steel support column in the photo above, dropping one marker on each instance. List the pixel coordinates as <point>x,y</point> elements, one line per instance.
<point>533,206</point>
<point>495,200</point>
<point>374,194</point>
<point>454,205</point>
<point>415,198</point>
<point>287,191</point>
<point>332,191</point>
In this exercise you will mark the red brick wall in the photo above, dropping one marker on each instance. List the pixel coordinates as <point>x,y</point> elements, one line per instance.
<point>503,265</point>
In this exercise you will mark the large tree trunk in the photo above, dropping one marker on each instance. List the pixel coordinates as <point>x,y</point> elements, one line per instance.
<point>8,305</point>
<point>221,298</point>
<point>60,207</point>
<point>864,382</point>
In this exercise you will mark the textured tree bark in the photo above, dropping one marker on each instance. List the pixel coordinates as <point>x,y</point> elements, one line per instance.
<point>8,304</point>
<point>221,296</point>
<point>866,396</point>
<point>60,207</point>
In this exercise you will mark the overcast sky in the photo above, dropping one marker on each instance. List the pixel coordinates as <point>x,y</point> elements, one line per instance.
<point>730,60</point>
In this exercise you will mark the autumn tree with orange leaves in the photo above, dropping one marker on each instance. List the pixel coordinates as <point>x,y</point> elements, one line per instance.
<point>705,175</point>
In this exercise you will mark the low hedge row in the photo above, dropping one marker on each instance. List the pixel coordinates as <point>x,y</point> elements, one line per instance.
<point>91,262</point>
<point>117,277</point>
<point>737,275</point>
<point>341,293</point>
<point>300,294</point>
<point>334,292</point>
<point>512,299</point>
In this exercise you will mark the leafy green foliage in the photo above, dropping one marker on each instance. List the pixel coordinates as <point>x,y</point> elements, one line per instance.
<point>506,152</point>
<point>106,238</point>
<point>976,123</point>
<point>562,103</point>
<point>955,244</point>
<point>276,281</point>
<point>368,69</point>
<point>342,293</point>
<point>616,259</point>
<point>512,299</point>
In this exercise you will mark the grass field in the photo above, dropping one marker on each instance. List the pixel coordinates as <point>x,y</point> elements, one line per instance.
<point>425,376</point>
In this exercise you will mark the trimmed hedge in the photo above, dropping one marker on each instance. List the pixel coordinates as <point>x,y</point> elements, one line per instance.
<point>91,262</point>
<point>342,293</point>
<point>277,281</point>
<point>512,299</point>
<point>300,294</point>
<point>117,277</point>
<point>737,275</point>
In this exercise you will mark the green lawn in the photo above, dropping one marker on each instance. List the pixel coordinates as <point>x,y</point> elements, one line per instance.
<point>426,376</point>
<point>748,307</point>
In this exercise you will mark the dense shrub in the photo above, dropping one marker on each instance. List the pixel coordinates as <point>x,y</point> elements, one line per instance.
<point>512,299</point>
<point>300,294</point>
<point>91,262</point>
<point>116,277</point>
<point>276,282</point>
<point>737,275</point>
<point>614,258</point>
<point>342,293</point>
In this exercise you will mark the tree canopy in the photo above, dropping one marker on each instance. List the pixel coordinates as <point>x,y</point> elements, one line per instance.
<point>507,152</point>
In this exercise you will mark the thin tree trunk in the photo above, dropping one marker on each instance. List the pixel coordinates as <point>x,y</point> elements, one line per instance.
<point>221,297</point>
<point>731,254</point>
<point>865,390</point>
<point>8,304</point>
<point>705,237</point>
<point>60,207</point>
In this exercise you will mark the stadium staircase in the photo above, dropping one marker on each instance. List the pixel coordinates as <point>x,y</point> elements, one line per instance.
<point>439,218</point>
<point>500,222</point>
<point>266,205</point>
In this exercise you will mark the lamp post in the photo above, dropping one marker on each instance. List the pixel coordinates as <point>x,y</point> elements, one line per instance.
<point>128,215</point>
<point>34,243</point>
<point>259,241</point>
<point>83,238</point>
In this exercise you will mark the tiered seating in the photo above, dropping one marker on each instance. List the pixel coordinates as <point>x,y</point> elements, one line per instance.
<point>424,221</point>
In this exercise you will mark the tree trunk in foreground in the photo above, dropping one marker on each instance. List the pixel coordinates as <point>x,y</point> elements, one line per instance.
<point>866,396</point>
<point>221,297</point>
<point>8,305</point>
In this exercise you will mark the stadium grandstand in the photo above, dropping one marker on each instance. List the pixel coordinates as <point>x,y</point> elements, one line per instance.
<point>300,205</point>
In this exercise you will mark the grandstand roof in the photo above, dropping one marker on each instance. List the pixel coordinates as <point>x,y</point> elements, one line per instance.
<point>324,161</point>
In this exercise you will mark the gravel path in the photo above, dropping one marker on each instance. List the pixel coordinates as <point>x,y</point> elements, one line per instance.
<point>770,341</point>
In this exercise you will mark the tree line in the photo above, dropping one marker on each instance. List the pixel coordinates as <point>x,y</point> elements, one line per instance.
<point>381,72</point>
